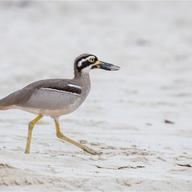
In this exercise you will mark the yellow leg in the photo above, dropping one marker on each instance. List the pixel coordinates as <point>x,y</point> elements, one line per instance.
<point>63,137</point>
<point>30,129</point>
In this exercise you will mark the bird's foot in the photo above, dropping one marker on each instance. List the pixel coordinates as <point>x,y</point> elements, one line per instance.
<point>27,151</point>
<point>91,151</point>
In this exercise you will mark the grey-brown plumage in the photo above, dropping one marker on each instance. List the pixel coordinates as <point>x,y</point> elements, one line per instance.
<point>56,97</point>
<point>53,97</point>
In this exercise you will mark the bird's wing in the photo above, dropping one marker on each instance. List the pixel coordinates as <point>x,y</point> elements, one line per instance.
<point>20,97</point>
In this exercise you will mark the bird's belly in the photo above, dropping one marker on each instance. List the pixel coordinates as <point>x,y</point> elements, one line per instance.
<point>49,112</point>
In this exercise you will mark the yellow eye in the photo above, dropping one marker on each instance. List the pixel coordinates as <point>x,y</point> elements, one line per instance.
<point>91,59</point>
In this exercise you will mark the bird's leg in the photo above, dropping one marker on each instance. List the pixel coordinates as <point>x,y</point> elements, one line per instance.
<point>60,135</point>
<point>30,129</point>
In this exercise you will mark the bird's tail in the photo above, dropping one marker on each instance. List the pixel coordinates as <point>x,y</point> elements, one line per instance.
<point>11,100</point>
<point>4,105</point>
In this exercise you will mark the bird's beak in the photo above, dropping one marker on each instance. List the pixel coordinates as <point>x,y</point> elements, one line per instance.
<point>107,66</point>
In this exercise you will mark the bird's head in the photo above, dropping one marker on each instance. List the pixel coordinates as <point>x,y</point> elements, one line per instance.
<point>85,62</point>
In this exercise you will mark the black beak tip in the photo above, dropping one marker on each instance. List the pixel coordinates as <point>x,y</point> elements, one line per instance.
<point>109,67</point>
<point>115,68</point>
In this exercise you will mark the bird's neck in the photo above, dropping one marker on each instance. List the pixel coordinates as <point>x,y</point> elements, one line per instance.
<point>81,75</point>
<point>84,79</point>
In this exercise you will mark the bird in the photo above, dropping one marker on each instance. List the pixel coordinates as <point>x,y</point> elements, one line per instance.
<point>57,97</point>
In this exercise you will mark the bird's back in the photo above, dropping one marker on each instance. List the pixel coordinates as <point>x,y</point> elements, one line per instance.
<point>47,96</point>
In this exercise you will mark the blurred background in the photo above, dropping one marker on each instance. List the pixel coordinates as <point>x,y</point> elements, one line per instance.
<point>151,41</point>
<point>146,106</point>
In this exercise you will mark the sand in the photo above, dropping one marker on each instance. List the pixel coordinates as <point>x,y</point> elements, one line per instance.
<point>139,117</point>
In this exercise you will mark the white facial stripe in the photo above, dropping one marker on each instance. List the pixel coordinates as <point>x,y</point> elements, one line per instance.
<point>90,57</point>
<point>80,62</point>
<point>83,60</point>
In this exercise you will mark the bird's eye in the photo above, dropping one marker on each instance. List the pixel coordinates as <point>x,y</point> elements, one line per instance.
<point>91,59</point>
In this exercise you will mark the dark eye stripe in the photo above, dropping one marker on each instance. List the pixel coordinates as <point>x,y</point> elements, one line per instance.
<point>83,61</point>
<point>81,58</point>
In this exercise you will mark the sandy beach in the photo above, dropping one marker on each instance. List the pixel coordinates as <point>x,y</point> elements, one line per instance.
<point>139,116</point>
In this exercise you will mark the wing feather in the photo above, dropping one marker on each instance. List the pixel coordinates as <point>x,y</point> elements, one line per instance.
<point>22,96</point>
